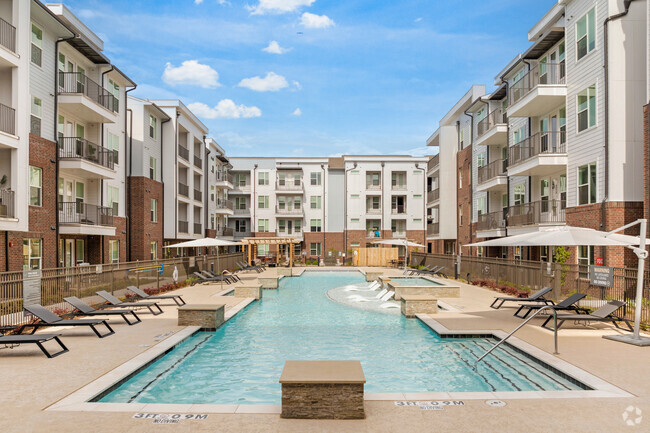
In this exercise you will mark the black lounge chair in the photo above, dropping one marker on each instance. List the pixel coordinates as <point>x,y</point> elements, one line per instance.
<point>11,341</point>
<point>244,266</point>
<point>112,302</point>
<point>424,270</point>
<point>567,304</point>
<point>232,277</point>
<point>211,275</point>
<point>535,297</point>
<point>144,295</point>
<point>86,310</point>
<point>48,318</point>
<point>603,314</point>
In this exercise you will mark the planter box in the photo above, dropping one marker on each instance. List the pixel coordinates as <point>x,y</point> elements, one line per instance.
<point>209,316</point>
<point>414,304</point>
<point>249,292</point>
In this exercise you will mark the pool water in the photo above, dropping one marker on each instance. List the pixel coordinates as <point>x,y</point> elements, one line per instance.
<point>405,281</point>
<point>242,361</point>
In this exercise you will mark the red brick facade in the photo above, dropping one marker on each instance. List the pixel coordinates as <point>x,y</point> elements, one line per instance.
<point>144,231</point>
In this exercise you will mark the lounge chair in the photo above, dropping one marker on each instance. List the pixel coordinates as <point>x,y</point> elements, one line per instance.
<point>603,314</point>
<point>413,271</point>
<point>203,279</point>
<point>11,341</point>
<point>48,318</point>
<point>226,277</point>
<point>387,296</point>
<point>112,302</point>
<point>535,297</point>
<point>141,294</point>
<point>244,267</point>
<point>86,310</point>
<point>567,304</point>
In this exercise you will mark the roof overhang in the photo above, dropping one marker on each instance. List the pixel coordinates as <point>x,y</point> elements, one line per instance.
<point>544,43</point>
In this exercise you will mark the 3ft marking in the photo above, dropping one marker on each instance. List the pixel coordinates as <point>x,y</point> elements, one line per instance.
<point>170,418</point>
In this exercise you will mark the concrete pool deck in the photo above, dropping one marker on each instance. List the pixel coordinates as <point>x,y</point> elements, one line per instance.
<point>30,382</point>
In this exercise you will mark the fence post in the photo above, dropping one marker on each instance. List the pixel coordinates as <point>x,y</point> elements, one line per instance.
<point>112,280</point>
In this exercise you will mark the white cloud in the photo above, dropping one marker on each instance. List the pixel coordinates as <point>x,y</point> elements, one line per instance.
<point>278,6</point>
<point>191,72</point>
<point>417,20</point>
<point>198,2</point>
<point>297,112</point>
<point>271,83</point>
<point>297,84</point>
<point>275,48</point>
<point>225,109</point>
<point>313,21</point>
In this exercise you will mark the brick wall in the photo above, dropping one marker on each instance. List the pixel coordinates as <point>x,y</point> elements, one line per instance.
<point>143,230</point>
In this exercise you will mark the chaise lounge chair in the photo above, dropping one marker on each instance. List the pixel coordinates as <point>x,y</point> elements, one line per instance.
<point>227,277</point>
<point>203,279</point>
<point>141,294</point>
<point>567,304</point>
<point>11,341</point>
<point>244,267</point>
<point>86,310</point>
<point>603,314</point>
<point>535,297</point>
<point>112,302</point>
<point>48,318</point>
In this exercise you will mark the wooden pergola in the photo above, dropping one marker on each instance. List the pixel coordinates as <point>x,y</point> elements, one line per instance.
<point>252,243</point>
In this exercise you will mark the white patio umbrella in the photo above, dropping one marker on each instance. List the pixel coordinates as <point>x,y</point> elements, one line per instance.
<point>576,236</point>
<point>400,242</point>
<point>207,243</point>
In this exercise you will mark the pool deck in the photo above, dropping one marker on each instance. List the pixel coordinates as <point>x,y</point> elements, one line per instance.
<point>30,382</point>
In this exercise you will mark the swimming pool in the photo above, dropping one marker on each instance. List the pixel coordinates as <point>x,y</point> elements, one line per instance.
<point>414,281</point>
<point>242,361</point>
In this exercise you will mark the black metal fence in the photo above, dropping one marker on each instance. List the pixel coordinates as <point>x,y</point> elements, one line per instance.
<point>7,119</point>
<point>85,213</point>
<point>74,147</point>
<point>77,82</point>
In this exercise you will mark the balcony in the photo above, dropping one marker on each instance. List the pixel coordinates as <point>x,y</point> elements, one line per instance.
<point>223,180</point>
<point>226,231</point>
<point>491,225</point>
<point>433,195</point>
<point>373,211</point>
<point>240,189</point>
<point>398,187</point>
<point>87,100</point>
<point>294,234</point>
<point>242,212</point>
<point>373,234</point>
<point>224,207</point>
<point>291,187</point>
<point>398,210</point>
<point>493,176</point>
<point>198,195</point>
<point>7,35</point>
<point>242,234</point>
<point>433,229</point>
<point>541,90</point>
<point>7,203</point>
<point>198,162</point>
<point>184,153</point>
<point>183,190</point>
<point>183,226</point>
<point>285,210</point>
<point>7,120</point>
<point>78,218</point>
<point>433,163</point>
<point>493,130</point>
<point>198,228</point>
<point>544,212</point>
<point>540,155</point>
<point>85,158</point>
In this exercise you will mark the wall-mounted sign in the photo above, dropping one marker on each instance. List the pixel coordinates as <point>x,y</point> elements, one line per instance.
<point>32,287</point>
<point>602,276</point>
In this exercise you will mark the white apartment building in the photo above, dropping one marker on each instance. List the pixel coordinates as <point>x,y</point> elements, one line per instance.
<point>219,182</point>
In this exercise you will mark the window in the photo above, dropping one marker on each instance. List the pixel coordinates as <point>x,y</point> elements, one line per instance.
<point>544,194</point>
<point>585,259</point>
<point>263,178</point>
<point>37,45</point>
<point>282,203</point>
<point>462,139</point>
<point>282,224</point>
<point>114,145</point>
<point>79,250</point>
<point>315,225</point>
<point>240,203</point>
<point>398,180</point>
<point>154,210</point>
<point>398,227</point>
<point>212,221</point>
<point>240,180</point>
<point>263,202</point>
<point>314,249</point>
<point>114,89</point>
<point>212,192</point>
<point>587,108</point>
<point>562,125</point>
<point>460,178</point>
<point>297,226</point>
<point>460,214</point>
<point>586,34</point>
<point>519,75</point>
<point>262,250</point>
<point>373,180</point>
<point>517,253</point>
<point>152,126</point>
<point>316,202</point>
<point>153,168</point>
<point>114,248</point>
<point>480,160</point>
<point>480,205</point>
<point>479,251</point>
<point>153,251</point>
<point>240,226</point>
<point>114,199</point>
<point>519,135</point>
<point>32,254</point>
<point>297,202</point>
<point>315,178</point>
<point>263,225</point>
<point>35,119</point>
<point>520,194</point>
<point>563,191</point>
<point>373,203</point>
<point>587,184</point>
<point>35,186</point>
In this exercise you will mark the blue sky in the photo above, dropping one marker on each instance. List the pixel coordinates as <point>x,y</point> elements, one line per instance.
<point>343,77</point>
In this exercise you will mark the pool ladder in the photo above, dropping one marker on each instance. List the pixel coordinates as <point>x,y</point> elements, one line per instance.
<point>520,326</point>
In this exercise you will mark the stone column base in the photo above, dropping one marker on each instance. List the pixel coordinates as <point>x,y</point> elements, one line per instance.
<point>208,316</point>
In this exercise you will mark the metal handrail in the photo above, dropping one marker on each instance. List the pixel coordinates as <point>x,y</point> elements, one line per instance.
<point>522,324</point>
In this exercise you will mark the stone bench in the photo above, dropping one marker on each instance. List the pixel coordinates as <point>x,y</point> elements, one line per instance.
<point>322,390</point>
<point>418,304</point>
<point>268,282</point>
<point>207,316</point>
<point>249,291</point>
<point>284,272</point>
<point>373,275</point>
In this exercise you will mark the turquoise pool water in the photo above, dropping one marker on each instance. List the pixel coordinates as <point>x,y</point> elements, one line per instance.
<point>416,281</point>
<point>241,362</point>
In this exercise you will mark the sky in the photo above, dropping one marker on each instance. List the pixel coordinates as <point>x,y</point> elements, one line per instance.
<point>313,77</point>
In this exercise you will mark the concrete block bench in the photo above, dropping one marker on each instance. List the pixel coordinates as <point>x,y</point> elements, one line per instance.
<point>435,291</point>
<point>207,316</point>
<point>373,275</point>
<point>322,390</point>
<point>268,282</point>
<point>418,304</point>
<point>284,272</point>
<point>249,291</point>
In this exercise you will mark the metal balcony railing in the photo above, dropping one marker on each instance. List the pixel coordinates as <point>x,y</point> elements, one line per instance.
<point>7,119</point>
<point>538,144</point>
<point>496,117</point>
<point>433,162</point>
<point>433,228</point>
<point>538,212</point>
<point>224,204</point>
<point>7,35</point>
<point>198,228</point>
<point>184,153</point>
<point>372,211</point>
<point>492,170</point>
<point>76,82</point>
<point>183,226</point>
<point>289,185</point>
<point>226,231</point>
<point>73,147</point>
<point>183,189</point>
<point>224,177</point>
<point>7,203</point>
<point>399,209</point>
<point>198,195</point>
<point>373,234</point>
<point>542,74</point>
<point>198,162</point>
<point>433,195</point>
<point>85,213</point>
<point>491,221</point>
<point>244,211</point>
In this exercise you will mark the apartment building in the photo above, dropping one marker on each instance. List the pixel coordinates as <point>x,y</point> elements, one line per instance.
<point>329,204</point>
<point>220,182</point>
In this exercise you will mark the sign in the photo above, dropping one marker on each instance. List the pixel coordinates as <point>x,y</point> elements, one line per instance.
<point>602,276</point>
<point>192,262</point>
<point>32,287</point>
<point>98,269</point>
<point>599,261</point>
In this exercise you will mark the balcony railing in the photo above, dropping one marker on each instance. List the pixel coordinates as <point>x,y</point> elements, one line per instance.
<point>244,234</point>
<point>183,189</point>
<point>198,195</point>
<point>433,162</point>
<point>85,213</point>
<point>433,195</point>
<point>7,119</point>
<point>198,228</point>
<point>538,212</point>
<point>244,211</point>
<point>289,186</point>
<point>183,226</point>
<point>7,203</point>
<point>433,228</point>
<point>542,74</point>
<point>373,234</point>
<point>184,153</point>
<point>538,144</point>
<point>492,170</point>
<point>226,231</point>
<point>373,211</point>
<point>73,147</point>
<point>496,117</point>
<point>7,36</point>
<point>224,204</point>
<point>373,187</point>
<point>224,177</point>
<point>198,162</point>
<point>491,221</point>
<point>399,209</point>
<point>76,82</point>
<point>288,210</point>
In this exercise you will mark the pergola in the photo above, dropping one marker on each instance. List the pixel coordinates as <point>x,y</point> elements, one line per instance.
<point>252,243</point>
